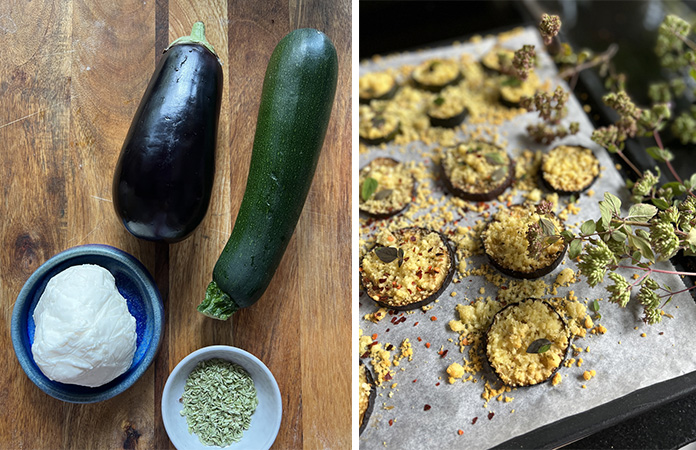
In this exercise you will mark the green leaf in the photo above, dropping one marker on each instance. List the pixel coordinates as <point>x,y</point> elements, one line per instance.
<point>618,236</point>
<point>494,158</point>
<point>614,202</point>
<point>636,255</point>
<point>439,101</point>
<point>575,248</point>
<point>389,254</point>
<point>567,235</point>
<point>539,346</point>
<point>692,181</point>
<point>660,203</point>
<point>547,227</point>
<point>676,187</point>
<point>384,193</point>
<point>642,245</point>
<point>692,72</point>
<point>369,186</point>
<point>594,306</point>
<point>511,81</point>
<point>641,212</point>
<point>605,211</point>
<point>499,173</point>
<point>659,154</point>
<point>588,227</point>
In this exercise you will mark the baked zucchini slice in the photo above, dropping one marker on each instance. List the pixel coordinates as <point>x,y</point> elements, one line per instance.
<point>377,126</point>
<point>376,86</point>
<point>477,170</point>
<point>447,111</point>
<point>569,169</point>
<point>386,187</point>
<point>408,268</point>
<point>436,74</point>
<point>512,90</point>
<point>498,60</point>
<point>367,393</point>
<point>527,342</point>
<point>507,245</point>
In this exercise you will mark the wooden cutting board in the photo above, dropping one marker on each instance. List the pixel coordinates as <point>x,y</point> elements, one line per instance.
<point>72,73</point>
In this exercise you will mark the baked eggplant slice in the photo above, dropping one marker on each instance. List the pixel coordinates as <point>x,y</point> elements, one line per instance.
<point>376,86</point>
<point>507,243</point>
<point>377,126</point>
<point>569,169</point>
<point>512,90</point>
<point>367,393</point>
<point>411,271</point>
<point>436,74</point>
<point>498,60</point>
<point>447,111</point>
<point>527,342</point>
<point>386,187</point>
<point>477,170</point>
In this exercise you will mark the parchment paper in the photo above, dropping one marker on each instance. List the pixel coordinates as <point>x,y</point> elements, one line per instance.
<point>624,360</point>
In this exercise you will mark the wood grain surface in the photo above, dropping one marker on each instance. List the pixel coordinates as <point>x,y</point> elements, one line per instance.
<point>72,73</point>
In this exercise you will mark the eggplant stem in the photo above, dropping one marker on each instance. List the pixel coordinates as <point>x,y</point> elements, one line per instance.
<point>197,36</point>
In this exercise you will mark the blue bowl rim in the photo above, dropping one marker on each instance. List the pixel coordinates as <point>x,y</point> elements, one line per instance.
<point>26,359</point>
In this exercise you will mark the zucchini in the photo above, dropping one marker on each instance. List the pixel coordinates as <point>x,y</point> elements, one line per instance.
<point>296,102</point>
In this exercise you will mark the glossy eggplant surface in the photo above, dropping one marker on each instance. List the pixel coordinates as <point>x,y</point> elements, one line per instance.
<point>164,175</point>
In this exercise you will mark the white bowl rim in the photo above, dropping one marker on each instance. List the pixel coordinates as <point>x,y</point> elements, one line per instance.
<point>202,354</point>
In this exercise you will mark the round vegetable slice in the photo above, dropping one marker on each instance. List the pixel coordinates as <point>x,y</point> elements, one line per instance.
<point>377,127</point>
<point>436,74</point>
<point>569,169</point>
<point>527,342</point>
<point>498,60</point>
<point>511,246</point>
<point>367,394</point>
<point>386,187</point>
<point>477,170</point>
<point>408,268</point>
<point>512,89</point>
<point>376,86</point>
<point>447,111</point>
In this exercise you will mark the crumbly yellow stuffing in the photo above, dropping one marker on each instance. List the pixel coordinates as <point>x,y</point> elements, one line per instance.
<point>455,371</point>
<point>423,270</point>
<point>448,103</point>
<point>557,378</point>
<point>570,168</point>
<point>505,240</point>
<point>436,72</point>
<point>498,59</point>
<point>513,330</point>
<point>393,179</point>
<point>375,84</point>
<point>476,166</point>
<point>513,92</point>
<point>376,125</point>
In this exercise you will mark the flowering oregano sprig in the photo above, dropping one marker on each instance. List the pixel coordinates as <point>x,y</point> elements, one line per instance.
<point>551,108</point>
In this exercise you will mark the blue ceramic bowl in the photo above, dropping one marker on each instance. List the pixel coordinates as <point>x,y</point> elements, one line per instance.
<point>144,303</point>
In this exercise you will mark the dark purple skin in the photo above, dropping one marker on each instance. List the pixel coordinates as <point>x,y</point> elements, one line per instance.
<point>164,175</point>
<point>370,401</point>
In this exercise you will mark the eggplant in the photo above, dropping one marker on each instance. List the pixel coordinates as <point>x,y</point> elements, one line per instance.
<point>492,178</point>
<point>532,321</point>
<point>387,201</point>
<point>514,226</point>
<point>364,414</point>
<point>578,166</point>
<point>164,175</point>
<point>409,271</point>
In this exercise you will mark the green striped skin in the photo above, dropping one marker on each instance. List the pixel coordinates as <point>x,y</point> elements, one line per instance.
<point>296,102</point>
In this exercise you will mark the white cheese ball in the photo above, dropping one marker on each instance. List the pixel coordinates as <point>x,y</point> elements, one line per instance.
<point>84,332</point>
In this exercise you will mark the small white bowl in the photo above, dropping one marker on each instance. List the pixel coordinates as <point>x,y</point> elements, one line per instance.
<point>265,422</point>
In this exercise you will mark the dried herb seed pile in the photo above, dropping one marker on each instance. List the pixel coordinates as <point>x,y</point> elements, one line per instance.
<point>219,400</point>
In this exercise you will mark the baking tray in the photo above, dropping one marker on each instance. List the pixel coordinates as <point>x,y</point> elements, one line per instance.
<point>577,426</point>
